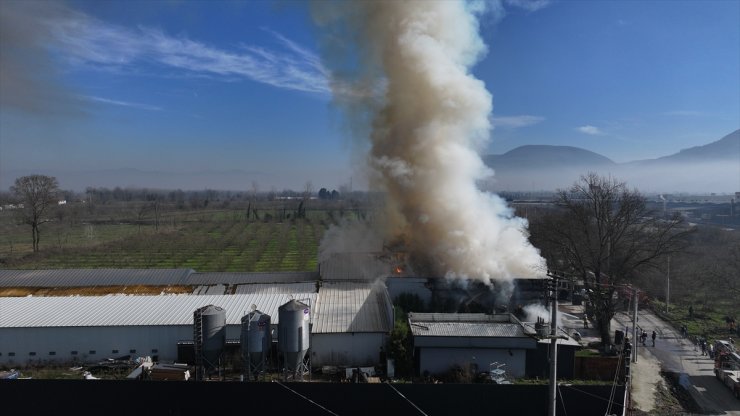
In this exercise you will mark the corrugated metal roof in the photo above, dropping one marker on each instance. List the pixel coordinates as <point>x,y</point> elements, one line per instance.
<point>355,266</point>
<point>466,325</point>
<point>134,310</point>
<point>151,277</point>
<point>289,288</point>
<point>466,329</point>
<point>221,289</point>
<point>93,277</point>
<point>353,307</point>
<point>248,277</point>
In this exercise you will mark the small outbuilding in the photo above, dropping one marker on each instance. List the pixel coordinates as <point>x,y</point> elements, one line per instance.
<point>473,342</point>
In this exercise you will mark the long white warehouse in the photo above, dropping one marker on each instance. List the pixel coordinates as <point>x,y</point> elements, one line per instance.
<point>91,328</point>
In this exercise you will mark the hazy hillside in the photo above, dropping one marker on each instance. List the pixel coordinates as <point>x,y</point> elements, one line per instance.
<point>727,147</point>
<point>714,167</point>
<point>543,155</point>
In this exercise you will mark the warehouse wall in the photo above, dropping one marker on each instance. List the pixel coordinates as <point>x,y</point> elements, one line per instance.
<point>18,344</point>
<point>56,344</point>
<point>346,349</point>
<point>440,360</point>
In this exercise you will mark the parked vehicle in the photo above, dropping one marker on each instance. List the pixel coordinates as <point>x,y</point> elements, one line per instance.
<point>727,365</point>
<point>9,375</point>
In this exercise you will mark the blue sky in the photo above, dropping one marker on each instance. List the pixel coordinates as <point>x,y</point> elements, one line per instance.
<point>186,86</point>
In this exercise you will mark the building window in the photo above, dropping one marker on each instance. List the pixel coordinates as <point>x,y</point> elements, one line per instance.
<point>154,350</point>
<point>52,353</point>
<point>74,352</point>
<point>11,354</point>
<point>31,353</point>
<point>114,352</point>
<point>132,351</point>
<point>91,352</point>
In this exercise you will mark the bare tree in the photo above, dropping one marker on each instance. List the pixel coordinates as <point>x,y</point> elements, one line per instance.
<point>37,193</point>
<point>605,234</point>
<point>723,266</point>
<point>308,190</point>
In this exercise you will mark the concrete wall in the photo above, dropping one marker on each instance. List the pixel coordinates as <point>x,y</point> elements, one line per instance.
<point>595,368</point>
<point>125,397</point>
<point>440,360</point>
<point>346,349</point>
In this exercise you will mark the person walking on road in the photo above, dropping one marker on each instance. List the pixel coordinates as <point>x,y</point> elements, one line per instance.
<point>643,337</point>
<point>703,347</point>
<point>654,336</point>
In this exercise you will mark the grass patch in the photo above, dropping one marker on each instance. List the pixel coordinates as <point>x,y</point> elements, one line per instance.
<point>588,353</point>
<point>707,320</point>
<point>215,240</point>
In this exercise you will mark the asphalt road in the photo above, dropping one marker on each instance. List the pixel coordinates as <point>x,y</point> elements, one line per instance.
<point>681,356</point>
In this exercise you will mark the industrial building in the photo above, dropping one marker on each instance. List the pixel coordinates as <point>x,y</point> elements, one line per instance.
<point>92,328</point>
<point>88,315</point>
<point>475,343</point>
<point>471,342</point>
<point>350,325</point>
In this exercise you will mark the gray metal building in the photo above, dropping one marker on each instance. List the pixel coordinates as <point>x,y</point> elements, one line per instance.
<point>471,342</point>
<point>351,323</point>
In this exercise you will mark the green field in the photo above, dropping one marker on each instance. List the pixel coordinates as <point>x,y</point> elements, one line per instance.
<point>218,240</point>
<point>707,320</point>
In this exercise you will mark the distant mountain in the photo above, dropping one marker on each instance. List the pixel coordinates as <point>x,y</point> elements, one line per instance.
<point>547,156</point>
<point>714,167</point>
<point>727,147</point>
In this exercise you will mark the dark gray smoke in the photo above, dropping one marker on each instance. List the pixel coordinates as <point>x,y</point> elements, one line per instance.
<point>29,79</point>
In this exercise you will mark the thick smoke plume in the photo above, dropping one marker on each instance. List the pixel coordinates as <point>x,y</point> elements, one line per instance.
<point>408,79</point>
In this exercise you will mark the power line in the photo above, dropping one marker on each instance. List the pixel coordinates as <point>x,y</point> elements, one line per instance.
<point>405,398</point>
<point>594,396</point>
<point>614,383</point>
<point>306,398</point>
<point>562,402</point>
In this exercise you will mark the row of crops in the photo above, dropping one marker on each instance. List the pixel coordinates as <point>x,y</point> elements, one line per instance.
<point>207,244</point>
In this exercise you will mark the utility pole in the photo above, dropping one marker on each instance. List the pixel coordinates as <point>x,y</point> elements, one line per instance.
<point>552,402</point>
<point>634,327</point>
<point>668,285</point>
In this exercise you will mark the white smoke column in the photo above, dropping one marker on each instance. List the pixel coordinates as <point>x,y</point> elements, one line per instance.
<point>429,118</point>
<point>536,310</point>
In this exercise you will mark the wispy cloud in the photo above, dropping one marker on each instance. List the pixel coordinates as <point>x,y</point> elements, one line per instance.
<point>514,122</point>
<point>496,9</point>
<point>123,103</point>
<point>529,5</point>
<point>592,130</point>
<point>683,113</point>
<point>87,41</point>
